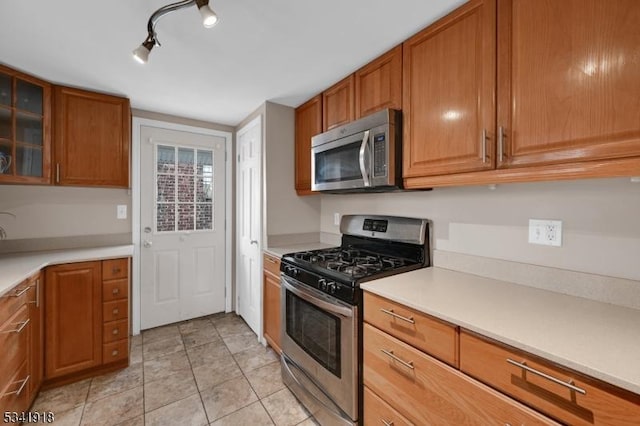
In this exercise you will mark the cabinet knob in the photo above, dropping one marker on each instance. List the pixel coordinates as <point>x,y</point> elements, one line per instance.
<point>115,331</point>
<point>115,271</point>
<point>116,311</point>
<point>116,291</point>
<point>115,352</point>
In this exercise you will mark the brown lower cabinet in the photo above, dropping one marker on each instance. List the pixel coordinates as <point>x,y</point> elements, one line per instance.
<point>271,309</point>
<point>21,345</point>
<point>87,324</point>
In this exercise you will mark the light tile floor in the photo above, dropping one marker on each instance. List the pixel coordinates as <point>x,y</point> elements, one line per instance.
<point>206,371</point>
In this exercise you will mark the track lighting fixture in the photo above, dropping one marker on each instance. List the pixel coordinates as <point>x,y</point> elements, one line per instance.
<point>209,19</point>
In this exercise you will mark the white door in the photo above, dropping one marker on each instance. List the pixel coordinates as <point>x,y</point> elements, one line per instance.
<point>182,220</point>
<point>249,219</point>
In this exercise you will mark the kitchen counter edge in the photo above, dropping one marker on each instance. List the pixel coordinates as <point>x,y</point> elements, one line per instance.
<point>15,268</point>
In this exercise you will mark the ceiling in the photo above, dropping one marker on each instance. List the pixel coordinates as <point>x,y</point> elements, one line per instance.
<point>284,51</point>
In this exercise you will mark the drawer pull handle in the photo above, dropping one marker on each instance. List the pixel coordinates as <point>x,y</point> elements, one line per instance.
<point>393,314</point>
<point>21,292</point>
<point>21,327</point>
<point>116,311</point>
<point>115,331</point>
<point>115,271</point>
<point>271,260</point>
<point>114,352</point>
<point>115,291</point>
<point>525,367</point>
<point>387,422</point>
<point>20,389</point>
<point>408,364</point>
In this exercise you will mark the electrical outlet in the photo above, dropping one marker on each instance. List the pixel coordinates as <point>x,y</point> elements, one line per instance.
<point>121,211</point>
<point>336,219</point>
<point>545,232</point>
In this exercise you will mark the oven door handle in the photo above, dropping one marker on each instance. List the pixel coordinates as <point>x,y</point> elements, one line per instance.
<point>309,297</point>
<point>363,166</point>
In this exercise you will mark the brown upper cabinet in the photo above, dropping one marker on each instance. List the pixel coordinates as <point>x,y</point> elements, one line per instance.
<point>569,81</point>
<point>449,85</point>
<point>308,124</point>
<point>338,106</point>
<point>378,85</point>
<point>25,128</point>
<point>92,138</point>
<point>522,90</point>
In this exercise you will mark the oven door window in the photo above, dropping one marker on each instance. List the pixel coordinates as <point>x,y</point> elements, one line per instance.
<point>316,332</point>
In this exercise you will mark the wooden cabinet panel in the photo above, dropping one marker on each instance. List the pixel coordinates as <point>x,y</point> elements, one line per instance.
<point>115,351</point>
<point>600,405</point>
<point>115,268</point>
<point>568,80</point>
<point>14,397</point>
<point>13,300</point>
<point>308,124</point>
<point>25,128</point>
<point>92,138</point>
<point>426,333</point>
<point>115,290</point>
<point>115,310</point>
<point>378,412</point>
<point>378,85</point>
<point>115,330</point>
<point>338,105</point>
<point>14,341</point>
<point>271,309</point>
<point>427,391</point>
<point>448,99</point>
<point>36,339</point>
<point>73,299</point>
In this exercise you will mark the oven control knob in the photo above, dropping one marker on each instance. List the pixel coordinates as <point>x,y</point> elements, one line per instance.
<point>294,272</point>
<point>323,284</point>
<point>331,287</point>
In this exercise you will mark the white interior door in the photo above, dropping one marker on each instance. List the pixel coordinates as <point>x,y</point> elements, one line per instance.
<point>249,219</point>
<point>182,220</point>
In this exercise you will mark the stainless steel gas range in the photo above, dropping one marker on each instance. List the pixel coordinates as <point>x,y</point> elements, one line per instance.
<point>321,309</point>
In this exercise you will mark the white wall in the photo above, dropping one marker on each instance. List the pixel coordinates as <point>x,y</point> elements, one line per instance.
<point>601,221</point>
<point>287,213</point>
<point>54,211</point>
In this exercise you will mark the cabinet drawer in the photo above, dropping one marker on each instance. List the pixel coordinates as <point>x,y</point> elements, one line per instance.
<point>378,412</point>
<point>115,351</point>
<point>116,310</point>
<point>115,330</point>
<point>115,268</point>
<point>14,343</point>
<point>271,264</point>
<point>14,396</point>
<point>13,300</point>
<point>427,391</point>
<point>115,290</point>
<point>494,364</point>
<point>426,333</point>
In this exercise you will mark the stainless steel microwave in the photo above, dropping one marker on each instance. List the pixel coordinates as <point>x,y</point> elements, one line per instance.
<point>361,156</point>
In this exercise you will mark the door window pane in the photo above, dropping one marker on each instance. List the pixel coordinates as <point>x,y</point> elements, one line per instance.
<point>5,123</point>
<point>28,129</point>
<point>184,189</point>
<point>28,161</point>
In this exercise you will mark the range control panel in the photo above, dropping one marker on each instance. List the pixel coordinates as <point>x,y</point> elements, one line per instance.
<point>377,225</point>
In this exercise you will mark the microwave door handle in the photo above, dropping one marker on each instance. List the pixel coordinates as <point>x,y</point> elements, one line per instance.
<point>363,167</point>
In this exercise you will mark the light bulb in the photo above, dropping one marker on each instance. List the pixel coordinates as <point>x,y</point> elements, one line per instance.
<point>209,18</point>
<point>141,53</point>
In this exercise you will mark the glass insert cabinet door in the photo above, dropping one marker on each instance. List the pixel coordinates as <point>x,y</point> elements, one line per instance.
<point>25,144</point>
<point>184,189</point>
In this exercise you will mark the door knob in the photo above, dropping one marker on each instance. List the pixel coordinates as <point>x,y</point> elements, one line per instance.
<point>254,242</point>
<point>147,230</point>
<point>147,244</point>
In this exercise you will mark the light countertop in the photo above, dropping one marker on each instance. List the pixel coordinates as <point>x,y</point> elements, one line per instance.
<point>292,248</point>
<point>598,339</point>
<point>17,267</point>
